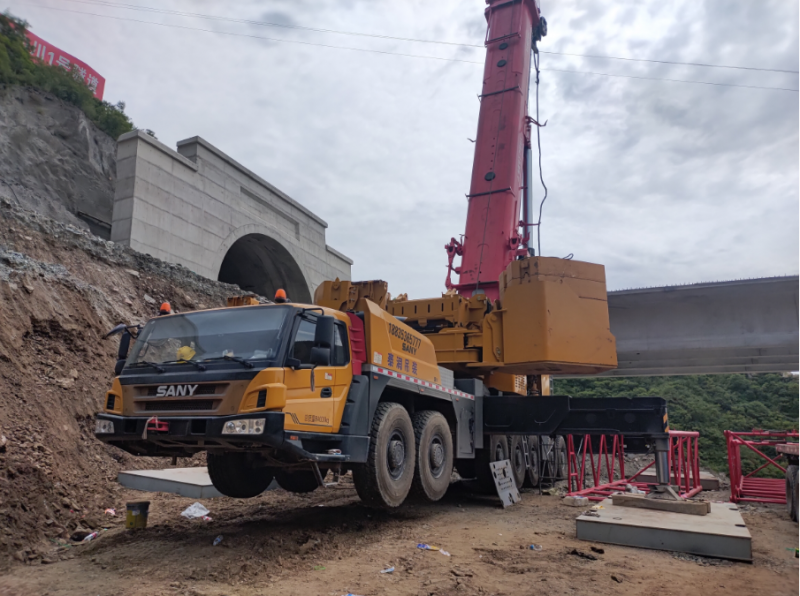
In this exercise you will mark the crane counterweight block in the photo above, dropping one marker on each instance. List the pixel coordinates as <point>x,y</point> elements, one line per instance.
<point>551,318</point>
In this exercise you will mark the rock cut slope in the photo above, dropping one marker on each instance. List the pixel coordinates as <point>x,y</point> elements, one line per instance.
<point>54,160</point>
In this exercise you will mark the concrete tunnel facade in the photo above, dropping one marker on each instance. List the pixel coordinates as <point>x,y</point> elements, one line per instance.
<point>200,208</point>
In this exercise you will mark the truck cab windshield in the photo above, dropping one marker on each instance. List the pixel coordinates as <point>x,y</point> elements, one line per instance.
<point>233,334</point>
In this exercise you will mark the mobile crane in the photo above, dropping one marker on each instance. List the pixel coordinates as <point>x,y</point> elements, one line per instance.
<point>399,391</point>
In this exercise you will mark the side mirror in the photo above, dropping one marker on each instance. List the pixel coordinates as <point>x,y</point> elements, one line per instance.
<point>124,345</point>
<point>119,366</point>
<point>320,356</point>
<point>323,336</point>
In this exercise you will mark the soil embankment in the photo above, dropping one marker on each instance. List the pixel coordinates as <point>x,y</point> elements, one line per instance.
<point>61,290</point>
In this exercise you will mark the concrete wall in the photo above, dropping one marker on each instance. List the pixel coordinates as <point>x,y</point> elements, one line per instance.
<point>191,206</point>
<point>726,327</point>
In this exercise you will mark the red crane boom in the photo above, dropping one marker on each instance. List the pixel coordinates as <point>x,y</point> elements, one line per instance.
<point>494,235</point>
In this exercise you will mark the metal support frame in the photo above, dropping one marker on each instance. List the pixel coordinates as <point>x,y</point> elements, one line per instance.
<point>747,488</point>
<point>682,466</point>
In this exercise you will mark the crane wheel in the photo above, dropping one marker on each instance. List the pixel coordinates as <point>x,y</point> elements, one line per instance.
<point>495,448</point>
<point>516,452</point>
<point>234,476</point>
<point>297,481</point>
<point>548,474</point>
<point>560,458</point>
<point>533,474</point>
<point>434,446</point>
<point>385,479</point>
<point>791,491</point>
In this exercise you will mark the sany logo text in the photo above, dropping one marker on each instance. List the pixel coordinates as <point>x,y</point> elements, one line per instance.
<point>176,390</point>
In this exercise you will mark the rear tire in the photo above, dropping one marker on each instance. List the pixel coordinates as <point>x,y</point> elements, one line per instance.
<point>516,452</point>
<point>560,459</point>
<point>234,476</point>
<point>533,475</point>
<point>548,463</point>
<point>299,481</point>
<point>791,491</point>
<point>434,446</point>
<point>385,479</point>
<point>495,449</point>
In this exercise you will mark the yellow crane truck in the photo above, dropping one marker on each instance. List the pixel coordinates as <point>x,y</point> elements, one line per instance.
<point>398,391</point>
<point>358,382</point>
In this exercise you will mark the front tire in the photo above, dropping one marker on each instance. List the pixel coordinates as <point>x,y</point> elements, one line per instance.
<point>298,481</point>
<point>234,476</point>
<point>434,446</point>
<point>385,479</point>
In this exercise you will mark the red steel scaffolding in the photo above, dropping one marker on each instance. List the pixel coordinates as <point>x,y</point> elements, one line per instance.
<point>607,466</point>
<point>746,488</point>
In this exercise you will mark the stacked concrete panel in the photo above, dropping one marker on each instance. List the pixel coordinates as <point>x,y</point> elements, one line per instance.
<point>191,206</point>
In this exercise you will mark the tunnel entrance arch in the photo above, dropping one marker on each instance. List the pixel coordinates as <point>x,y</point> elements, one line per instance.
<point>260,264</point>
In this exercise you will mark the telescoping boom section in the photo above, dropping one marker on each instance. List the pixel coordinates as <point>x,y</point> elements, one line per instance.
<point>493,236</point>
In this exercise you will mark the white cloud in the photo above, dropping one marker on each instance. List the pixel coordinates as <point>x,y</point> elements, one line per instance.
<point>662,182</point>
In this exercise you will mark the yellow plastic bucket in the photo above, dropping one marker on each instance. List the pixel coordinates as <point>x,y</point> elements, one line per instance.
<point>136,515</point>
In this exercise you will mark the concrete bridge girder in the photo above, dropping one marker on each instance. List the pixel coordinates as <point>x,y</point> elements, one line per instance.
<point>724,327</point>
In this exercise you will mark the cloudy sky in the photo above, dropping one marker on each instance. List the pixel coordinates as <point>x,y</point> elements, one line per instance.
<point>663,182</point>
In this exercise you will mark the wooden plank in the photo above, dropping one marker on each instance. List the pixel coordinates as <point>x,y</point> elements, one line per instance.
<point>642,502</point>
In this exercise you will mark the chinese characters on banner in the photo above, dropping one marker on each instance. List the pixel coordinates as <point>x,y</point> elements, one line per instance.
<point>49,54</point>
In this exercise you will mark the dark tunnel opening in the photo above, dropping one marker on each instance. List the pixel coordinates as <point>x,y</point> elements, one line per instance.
<point>260,264</point>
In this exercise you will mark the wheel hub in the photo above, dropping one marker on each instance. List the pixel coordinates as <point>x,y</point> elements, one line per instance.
<point>437,456</point>
<point>397,454</point>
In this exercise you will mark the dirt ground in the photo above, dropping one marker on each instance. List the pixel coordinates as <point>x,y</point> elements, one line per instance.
<point>62,289</point>
<point>327,543</point>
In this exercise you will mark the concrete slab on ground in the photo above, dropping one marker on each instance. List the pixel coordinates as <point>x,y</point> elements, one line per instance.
<point>722,533</point>
<point>707,480</point>
<point>187,482</point>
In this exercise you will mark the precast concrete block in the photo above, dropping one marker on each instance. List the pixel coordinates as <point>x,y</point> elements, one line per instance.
<point>121,231</point>
<point>126,167</point>
<point>125,187</point>
<point>123,209</point>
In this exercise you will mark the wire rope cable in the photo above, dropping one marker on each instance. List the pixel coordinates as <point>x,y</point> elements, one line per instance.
<point>109,4</point>
<point>539,147</point>
<point>388,53</point>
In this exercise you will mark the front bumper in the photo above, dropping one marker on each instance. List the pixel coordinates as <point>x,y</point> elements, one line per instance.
<point>186,435</point>
<point>193,433</point>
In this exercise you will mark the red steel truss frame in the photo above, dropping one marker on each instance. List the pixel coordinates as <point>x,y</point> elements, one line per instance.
<point>684,463</point>
<point>746,488</point>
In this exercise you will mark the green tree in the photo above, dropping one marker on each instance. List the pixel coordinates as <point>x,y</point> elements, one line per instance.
<point>709,404</point>
<point>17,67</point>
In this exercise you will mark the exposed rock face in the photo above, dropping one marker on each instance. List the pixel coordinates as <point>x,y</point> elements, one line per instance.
<point>55,161</point>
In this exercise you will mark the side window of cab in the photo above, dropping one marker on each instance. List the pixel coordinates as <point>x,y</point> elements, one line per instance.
<point>341,349</point>
<point>304,341</point>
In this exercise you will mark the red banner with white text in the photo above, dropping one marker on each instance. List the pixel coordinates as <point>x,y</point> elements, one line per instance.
<point>50,54</point>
